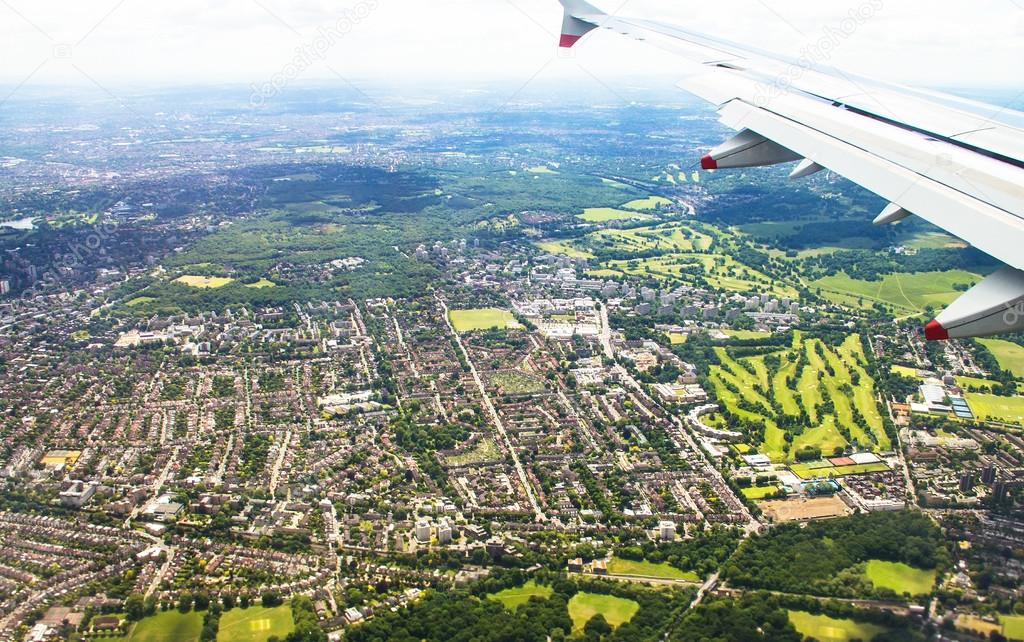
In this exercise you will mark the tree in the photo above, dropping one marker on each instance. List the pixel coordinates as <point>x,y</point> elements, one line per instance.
<point>134,607</point>
<point>597,626</point>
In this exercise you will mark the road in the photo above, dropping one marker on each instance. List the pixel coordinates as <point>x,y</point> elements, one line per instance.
<point>495,417</point>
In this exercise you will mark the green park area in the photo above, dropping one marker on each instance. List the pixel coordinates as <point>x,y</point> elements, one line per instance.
<point>759,492</point>
<point>1009,355</point>
<point>718,270</point>
<point>649,203</point>
<point>204,282</point>
<point>482,319</point>
<point>565,248</point>
<point>814,470</point>
<point>907,293</point>
<point>828,629</point>
<point>261,284</point>
<point>1013,626</point>
<point>616,610</point>
<point>607,214</point>
<point>807,396</point>
<point>167,626</point>
<point>512,598</point>
<point>995,408</point>
<point>664,571</point>
<point>516,383</point>
<point>900,578</point>
<point>255,624</point>
<point>669,237</point>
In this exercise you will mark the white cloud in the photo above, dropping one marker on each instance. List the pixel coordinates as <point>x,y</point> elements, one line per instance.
<point>933,42</point>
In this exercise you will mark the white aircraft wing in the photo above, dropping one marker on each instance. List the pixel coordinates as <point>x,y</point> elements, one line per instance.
<point>956,163</point>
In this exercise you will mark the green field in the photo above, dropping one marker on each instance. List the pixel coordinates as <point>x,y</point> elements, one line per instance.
<point>619,566</point>
<point>648,203</point>
<point>826,629</point>
<point>905,371</point>
<point>774,389</point>
<point>140,300</point>
<point>909,293</point>
<point>1009,355</point>
<point>815,469</point>
<point>204,282</point>
<point>616,610</point>
<point>168,626</point>
<point>720,271</point>
<point>1013,626</point>
<point>565,248</point>
<point>759,492</point>
<point>511,598</point>
<point>606,214</point>
<point>255,624</point>
<point>261,284</point>
<point>1005,409</point>
<point>900,577</point>
<point>541,169</point>
<point>486,450</point>
<point>482,319</point>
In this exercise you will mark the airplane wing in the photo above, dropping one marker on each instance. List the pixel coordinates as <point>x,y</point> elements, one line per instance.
<point>954,162</point>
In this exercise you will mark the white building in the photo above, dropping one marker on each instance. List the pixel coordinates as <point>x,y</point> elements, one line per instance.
<point>666,531</point>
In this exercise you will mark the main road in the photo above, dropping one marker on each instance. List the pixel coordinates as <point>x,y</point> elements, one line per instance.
<point>494,416</point>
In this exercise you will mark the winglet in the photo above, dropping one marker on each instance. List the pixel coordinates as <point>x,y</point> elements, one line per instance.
<point>577,21</point>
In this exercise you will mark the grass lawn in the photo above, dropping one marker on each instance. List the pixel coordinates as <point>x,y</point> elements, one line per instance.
<point>1009,355</point>
<point>605,214</point>
<point>647,203</point>
<point>564,248</point>
<point>747,334</point>
<point>619,566</point>
<point>1013,626</point>
<point>255,624</point>
<point>759,492</point>
<point>204,282</point>
<point>140,300</point>
<point>511,598</point>
<point>900,577</point>
<point>482,319</point>
<point>905,291</point>
<point>616,610</point>
<point>809,471</point>
<point>541,169</point>
<point>966,382</point>
<point>1008,409</point>
<point>486,450</point>
<point>827,629</point>
<point>905,371</point>
<point>262,283</point>
<point>168,626</point>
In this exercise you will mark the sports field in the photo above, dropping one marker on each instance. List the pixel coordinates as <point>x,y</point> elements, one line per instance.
<point>1009,355</point>
<point>907,292</point>
<point>759,492</point>
<point>995,408</point>
<point>619,566</point>
<point>798,510</point>
<point>482,319</point>
<point>826,629</point>
<point>255,624</point>
<point>511,598</point>
<point>168,626</point>
<point>900,577</point>
<point>808,379</point>
<point>606,214</point>
<point>670,237</point>
<point>616,610</point>
<point>204,282</point>
<point>811,471</point>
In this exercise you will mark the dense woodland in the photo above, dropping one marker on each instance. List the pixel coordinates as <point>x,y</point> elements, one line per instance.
<point>823,558</point>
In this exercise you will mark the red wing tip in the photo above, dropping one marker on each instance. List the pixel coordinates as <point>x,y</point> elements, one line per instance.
<point>935,332</point>
<point>568,40</point>
<point>708,163</point>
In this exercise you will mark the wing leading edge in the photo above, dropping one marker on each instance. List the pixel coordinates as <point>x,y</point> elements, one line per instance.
<point>958,164</point>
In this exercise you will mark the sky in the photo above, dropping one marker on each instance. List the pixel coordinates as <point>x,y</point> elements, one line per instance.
<point>260,43</point>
